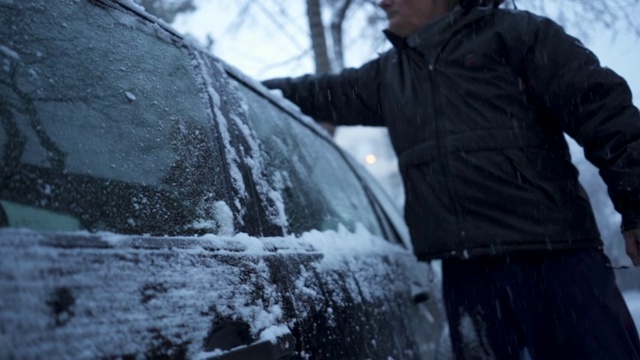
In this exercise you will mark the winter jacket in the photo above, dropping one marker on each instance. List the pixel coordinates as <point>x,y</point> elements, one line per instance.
<point>477,104</point>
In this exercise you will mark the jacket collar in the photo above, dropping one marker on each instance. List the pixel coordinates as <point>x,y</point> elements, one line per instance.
<point>435,33</point>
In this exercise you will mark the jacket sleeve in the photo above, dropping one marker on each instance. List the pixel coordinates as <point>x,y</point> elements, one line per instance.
<point>594,106</point>
<point>348,98</point>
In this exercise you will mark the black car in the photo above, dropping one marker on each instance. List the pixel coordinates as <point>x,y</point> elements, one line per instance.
<point>156,203</point>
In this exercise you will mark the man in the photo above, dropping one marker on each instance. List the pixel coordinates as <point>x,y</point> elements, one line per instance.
<point>476,100</point>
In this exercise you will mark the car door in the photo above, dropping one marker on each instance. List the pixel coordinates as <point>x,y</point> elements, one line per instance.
<point>360,290</point>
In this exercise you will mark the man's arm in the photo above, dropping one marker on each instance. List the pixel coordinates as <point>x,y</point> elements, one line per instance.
<point>348,98</point>
<point>594,106</point>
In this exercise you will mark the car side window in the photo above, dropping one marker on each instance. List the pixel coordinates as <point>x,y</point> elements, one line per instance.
<point>116,140</point>
<point>318,188</point>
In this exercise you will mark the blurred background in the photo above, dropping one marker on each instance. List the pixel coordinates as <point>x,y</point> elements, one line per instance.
<point>276,38</point>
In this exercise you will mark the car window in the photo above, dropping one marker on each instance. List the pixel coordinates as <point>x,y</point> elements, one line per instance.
<point>319,190</point>
<point>104,127</point>
<point>389,214</point>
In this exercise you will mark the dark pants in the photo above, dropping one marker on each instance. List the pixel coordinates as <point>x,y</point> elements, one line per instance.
<point>557,305</point>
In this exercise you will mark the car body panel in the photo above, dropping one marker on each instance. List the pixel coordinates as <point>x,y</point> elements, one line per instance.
<point>76,295</point>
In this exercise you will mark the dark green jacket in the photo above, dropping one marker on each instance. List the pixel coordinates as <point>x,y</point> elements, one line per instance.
<point>477,105</point>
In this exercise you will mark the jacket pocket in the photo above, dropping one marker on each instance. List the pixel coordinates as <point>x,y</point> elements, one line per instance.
<point>551,174</point>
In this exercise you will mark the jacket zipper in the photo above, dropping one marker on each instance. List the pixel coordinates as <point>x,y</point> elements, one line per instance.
<point>453,195</point>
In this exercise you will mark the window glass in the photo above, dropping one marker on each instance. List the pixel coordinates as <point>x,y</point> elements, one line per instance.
<point>103,124</point>
<point>318,188</point>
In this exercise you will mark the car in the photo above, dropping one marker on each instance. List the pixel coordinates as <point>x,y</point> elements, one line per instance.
<point>157,203</point>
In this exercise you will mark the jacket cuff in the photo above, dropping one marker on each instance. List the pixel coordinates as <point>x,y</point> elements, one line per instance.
<point>277,83</point>
<point>630,220</point>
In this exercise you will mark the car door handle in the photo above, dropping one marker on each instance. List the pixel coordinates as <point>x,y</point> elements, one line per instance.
<point>282,348</point>
<point>419,294</point>
<point>421,297</point>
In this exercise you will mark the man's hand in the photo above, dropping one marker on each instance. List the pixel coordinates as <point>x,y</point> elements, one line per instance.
<point>632,239</point>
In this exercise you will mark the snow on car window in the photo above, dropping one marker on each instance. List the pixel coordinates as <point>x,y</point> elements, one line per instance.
<point>210,85</point>
<point>104,122</point>
<point>318,189</point>
<point>241,147</point>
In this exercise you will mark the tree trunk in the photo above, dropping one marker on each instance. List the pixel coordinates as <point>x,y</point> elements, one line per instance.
<point>336,33</point>
<point>319,44</point>
<point>318,37</point>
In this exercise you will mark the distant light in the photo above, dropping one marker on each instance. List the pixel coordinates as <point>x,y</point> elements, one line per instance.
<point>370,159</point>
